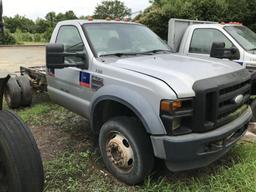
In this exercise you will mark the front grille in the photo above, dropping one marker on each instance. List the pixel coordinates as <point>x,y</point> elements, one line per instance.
<point>215,100</point>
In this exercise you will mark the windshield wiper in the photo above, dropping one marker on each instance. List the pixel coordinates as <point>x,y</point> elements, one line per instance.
<point>156,51</point>
<point>117,54</point>
<point>253,49</point>
<point>137,53</point>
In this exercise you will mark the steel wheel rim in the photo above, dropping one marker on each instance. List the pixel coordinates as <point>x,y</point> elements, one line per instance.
<point>120,152</point>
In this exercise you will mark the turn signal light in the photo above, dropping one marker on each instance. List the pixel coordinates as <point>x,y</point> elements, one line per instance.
<point>170,106</point>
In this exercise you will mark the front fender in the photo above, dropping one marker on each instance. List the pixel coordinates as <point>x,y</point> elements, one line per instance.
<point>135,102</point>
<point>3,80</point>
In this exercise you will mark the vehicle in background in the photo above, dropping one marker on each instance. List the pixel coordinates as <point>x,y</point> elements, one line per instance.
<point>229,40</point>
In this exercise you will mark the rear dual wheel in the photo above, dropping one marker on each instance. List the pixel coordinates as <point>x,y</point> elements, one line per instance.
<point>18,92</point>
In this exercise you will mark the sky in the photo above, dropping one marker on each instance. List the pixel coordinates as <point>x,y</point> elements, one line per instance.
<point>39,8</point>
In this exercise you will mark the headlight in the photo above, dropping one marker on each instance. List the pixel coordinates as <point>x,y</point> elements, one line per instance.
<point>177,115</point>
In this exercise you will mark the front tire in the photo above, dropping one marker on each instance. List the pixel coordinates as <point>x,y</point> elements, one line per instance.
<point>126,149</point>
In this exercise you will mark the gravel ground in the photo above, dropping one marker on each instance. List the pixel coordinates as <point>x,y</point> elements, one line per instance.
<point>11,58</point>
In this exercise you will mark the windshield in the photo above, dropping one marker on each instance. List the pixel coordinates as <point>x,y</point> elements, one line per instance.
<point>243,35</point>
<point>118,38</point>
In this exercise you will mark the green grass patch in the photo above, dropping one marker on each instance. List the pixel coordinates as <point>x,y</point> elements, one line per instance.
<point>37,115</point>
<point>79,172</point>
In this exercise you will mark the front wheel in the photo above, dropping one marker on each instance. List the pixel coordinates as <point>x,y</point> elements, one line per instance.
<point>126,149</point>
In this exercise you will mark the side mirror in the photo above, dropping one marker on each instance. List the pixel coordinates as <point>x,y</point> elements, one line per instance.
<point>218,50</point>
<point>55,57</point>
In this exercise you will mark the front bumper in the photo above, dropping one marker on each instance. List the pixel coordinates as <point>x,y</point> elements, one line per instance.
<point>199,149</point>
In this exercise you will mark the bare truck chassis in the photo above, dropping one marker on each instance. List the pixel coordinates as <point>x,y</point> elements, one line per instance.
<point>37,76</point>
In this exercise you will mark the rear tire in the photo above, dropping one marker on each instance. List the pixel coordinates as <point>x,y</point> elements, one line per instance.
<point>20,161</point>
<point>126,149</point>
<point>26,91</point>
<point>13,94</point>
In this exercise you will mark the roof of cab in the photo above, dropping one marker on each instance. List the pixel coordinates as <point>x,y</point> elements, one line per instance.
<point>214,25</point>
<point>81,22</point>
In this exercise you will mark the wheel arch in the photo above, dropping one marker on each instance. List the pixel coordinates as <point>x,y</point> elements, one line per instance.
<point>133,102</point>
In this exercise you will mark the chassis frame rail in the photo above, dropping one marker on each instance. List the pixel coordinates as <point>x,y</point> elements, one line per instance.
<point>37,76</point>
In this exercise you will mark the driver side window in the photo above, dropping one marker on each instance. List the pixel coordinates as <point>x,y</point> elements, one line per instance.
<point>202,40</point>
<point>69,36</point>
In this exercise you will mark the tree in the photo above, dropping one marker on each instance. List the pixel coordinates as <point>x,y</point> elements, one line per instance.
<point>7,38</point>
<point>41,25</point>
<point>51,18</point>
<point>111,9</point>
<point>161,11</point>
<point>19,22</point>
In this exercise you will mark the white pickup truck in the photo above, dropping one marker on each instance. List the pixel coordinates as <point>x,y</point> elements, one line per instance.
<point>195,38</point>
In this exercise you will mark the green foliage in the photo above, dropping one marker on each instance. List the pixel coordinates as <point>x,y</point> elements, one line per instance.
<point>159,13</point>
<point>28,37</point>
<point>26,30</point>
<point>112,9</point>
<point>41,25</point>
<point>7,38</point>
<point>19,22</point>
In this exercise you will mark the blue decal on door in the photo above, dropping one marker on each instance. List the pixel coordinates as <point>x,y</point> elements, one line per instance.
<point>85,79</point>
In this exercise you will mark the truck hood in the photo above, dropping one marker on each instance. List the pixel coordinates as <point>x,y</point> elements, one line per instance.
<point>178,71</point>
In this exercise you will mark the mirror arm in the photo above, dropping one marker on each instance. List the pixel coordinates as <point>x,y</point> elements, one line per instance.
<point>65,54</point>
<point>61,66</point>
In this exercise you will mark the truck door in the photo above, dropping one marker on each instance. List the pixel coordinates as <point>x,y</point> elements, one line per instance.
<point>70,87</point>
<point>202,39</point>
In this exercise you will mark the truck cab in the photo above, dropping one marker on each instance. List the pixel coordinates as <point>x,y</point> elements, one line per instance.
<point>142,100</point>
<point>195,38</point>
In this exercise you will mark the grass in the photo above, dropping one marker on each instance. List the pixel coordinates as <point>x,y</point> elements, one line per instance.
<point>32,43</point>
<point>79,167</point>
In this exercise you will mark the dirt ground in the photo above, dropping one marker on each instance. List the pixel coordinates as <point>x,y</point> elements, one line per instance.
<point>11,58</point>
